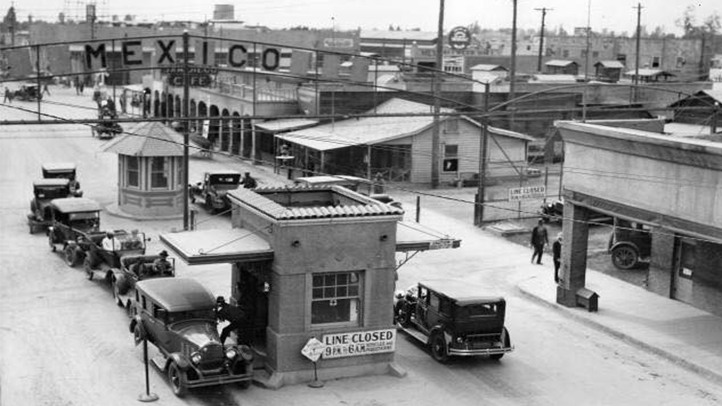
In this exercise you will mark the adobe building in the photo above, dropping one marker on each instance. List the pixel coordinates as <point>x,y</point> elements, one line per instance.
<point>666,184</point>
<point>313,262</point>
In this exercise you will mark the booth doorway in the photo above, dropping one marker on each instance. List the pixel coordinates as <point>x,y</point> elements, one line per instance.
<point>682,284</point>
<point>251,287</point>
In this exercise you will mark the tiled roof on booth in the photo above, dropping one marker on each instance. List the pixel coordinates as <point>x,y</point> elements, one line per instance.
<point>148,139</point>
<point>365,206</point>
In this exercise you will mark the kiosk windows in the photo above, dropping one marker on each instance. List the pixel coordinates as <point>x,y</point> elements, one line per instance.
<point>336,298</point>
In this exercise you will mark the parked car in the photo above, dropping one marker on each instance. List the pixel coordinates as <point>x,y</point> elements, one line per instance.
<point>28,92</point>
<point>553,211</point>
<point>629,243</point>
<point>454,318</point>
<point>75,226</point>
<point>178,316</point>
<point>133,269</point>
<point>359,185</point>
<point>63,170</point>
<point>44,191</point>
<point>212,191</point>
<point>106,263</point>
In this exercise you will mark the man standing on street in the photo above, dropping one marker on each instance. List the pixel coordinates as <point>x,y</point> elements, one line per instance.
<point>557,255</point>
<point>539,238</point>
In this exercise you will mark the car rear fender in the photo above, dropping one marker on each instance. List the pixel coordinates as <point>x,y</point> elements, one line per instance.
<point>134,322</point>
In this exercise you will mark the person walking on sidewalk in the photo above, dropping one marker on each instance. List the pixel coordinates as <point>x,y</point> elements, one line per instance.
<point>539,238</point>
<point>557,256</point>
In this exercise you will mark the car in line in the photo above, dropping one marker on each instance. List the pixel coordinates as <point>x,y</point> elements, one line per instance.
<point>105,263</point>
<point>213,190</point>
<point>133,269</point>
<point>44,191</point>
<point>453,318</point>
<point>178,316</point>
<point>629,243</point>
<point>63,170</point>
<point>75,226</point>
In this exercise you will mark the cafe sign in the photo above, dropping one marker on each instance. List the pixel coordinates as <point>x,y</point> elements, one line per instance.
<point>359,343</point>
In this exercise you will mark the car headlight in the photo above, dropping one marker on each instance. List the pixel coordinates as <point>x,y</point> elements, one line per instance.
<point>196,358</point>
<point>460,339</point>
<point>231,353</point>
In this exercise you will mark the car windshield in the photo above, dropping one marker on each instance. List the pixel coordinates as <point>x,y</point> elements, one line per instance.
<point>225,180</point>
<point>206,314</point>
<point>477,310</point>
<point>49,192</point>
<point>85,221</point>
<point>132,241</point>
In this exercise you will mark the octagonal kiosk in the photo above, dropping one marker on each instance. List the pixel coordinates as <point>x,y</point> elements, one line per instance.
<point>312,262</point>
<point>150,165</point>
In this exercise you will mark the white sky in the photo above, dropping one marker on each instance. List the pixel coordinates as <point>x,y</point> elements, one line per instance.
<point>615,15</point>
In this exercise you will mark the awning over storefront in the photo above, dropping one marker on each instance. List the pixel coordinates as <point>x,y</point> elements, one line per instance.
<point>411,236</point>
<point>202,247</point>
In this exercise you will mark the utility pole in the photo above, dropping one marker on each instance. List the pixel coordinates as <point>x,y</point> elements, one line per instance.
<point>636,63</point>
<point>586,61</point>
<point>483,146</point>
<point>186,128</point>
<point>541,37</point>
<point>435,138</point>
<point>512,71</point>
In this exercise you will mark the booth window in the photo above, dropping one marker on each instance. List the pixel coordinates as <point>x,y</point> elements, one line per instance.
<point>133,171</point>
<point>336,298</point>
<point>159,173</point>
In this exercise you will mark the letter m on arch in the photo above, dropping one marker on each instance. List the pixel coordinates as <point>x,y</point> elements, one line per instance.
<point>92,55</point>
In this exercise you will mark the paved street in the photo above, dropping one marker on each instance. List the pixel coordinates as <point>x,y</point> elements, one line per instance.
<point>63,341</point>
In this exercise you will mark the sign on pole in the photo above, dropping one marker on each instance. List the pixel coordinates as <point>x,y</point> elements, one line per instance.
<point>313,349</point>
<point>527,193</point>
<point>459,38</point>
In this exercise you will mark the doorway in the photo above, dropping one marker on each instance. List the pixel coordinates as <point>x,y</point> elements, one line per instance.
<point>685,264</point>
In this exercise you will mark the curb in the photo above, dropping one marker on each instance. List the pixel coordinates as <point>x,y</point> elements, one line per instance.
<point>713,376</point>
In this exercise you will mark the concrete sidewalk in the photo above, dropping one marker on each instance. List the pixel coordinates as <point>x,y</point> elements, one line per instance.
<point>672,329</point>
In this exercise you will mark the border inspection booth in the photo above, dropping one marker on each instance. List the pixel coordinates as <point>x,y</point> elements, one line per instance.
<point>150,168</point>
<point>313,262</point>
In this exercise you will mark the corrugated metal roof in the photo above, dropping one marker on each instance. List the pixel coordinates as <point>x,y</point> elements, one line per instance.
<point>610,64</point>
<point>286,124</point>
<point>649,72</point>
<point>398,35</point>
<point>488,67</point>
<point>365,207</point>
<point>559,62</point>
<point>148,139</point>
<point>374,130</point>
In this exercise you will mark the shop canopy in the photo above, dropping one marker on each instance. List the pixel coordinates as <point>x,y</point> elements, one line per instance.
<point>218,246</point>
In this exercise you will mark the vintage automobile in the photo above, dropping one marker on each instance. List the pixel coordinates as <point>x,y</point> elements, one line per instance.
<point>629,243</point>
<point>108,126</point>
<point>63,170</point>
<point>454,318</point>
<point>359,185</point>
<point>553,211</point>
<point>44,191</point>
<point>133,269</point>
<point>105,263</point>
<point>212,191</point>
<point>75,226</point>
<point>28,92</point>
<point>178,316</point>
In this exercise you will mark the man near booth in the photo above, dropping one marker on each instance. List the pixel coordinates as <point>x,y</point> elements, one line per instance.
<point>233,314</point>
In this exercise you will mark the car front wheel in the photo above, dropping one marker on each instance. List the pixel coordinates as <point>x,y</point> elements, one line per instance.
<point>178,380</point>
<point>625,257</point>
<point>71,258</point>
<point>439,350</point>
